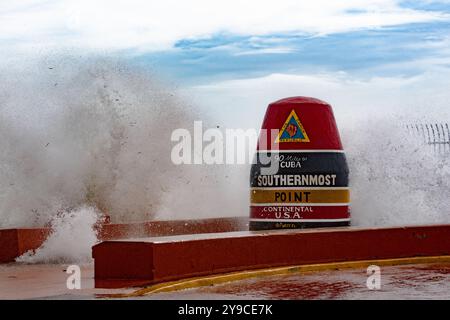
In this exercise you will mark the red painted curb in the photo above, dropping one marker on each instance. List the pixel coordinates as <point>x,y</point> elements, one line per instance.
<point>148,261</point>
<point>172,227</point>
<point>15,242</point>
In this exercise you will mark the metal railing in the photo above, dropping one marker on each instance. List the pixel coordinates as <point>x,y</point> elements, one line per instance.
<point>436,135</point>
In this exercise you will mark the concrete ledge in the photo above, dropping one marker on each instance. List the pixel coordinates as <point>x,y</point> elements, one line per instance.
<point>15,242</point>
<point>135,262</point>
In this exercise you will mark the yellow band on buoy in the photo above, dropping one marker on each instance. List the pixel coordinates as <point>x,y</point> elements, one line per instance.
<point>303,196</point>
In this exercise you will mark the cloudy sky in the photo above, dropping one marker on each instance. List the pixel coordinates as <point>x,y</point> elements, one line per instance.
<point>253,51</point>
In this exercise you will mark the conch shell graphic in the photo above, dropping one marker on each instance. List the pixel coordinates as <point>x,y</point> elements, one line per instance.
<point>291,129</point>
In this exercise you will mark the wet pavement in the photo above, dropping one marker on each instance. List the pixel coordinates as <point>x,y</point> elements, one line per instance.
<point>430,281</point>
<point>43,281</point>
<point>425,281</point>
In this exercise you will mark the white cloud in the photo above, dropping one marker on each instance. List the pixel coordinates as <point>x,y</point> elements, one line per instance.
<point>272,50</point>
<point>243,102</point>
<point>157,25</point>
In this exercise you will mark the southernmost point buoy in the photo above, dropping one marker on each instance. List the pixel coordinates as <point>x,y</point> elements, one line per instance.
<point>299,177</point>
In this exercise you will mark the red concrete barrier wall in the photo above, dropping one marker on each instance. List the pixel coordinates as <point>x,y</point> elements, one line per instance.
<point>173,227</point>
<point>15,242</point>
<point>128,263</point>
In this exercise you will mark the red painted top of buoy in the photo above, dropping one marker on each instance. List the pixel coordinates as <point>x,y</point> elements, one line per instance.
<point>313,127</point>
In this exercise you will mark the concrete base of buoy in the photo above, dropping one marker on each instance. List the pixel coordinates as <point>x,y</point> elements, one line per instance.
<point>138,262</point>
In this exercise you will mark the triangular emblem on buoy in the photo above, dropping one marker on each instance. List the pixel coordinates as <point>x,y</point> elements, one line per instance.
<point>292,130</point>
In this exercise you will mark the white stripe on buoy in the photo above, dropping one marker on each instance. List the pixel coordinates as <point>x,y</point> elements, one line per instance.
<point>277,204</point>
<point>301,151</point>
